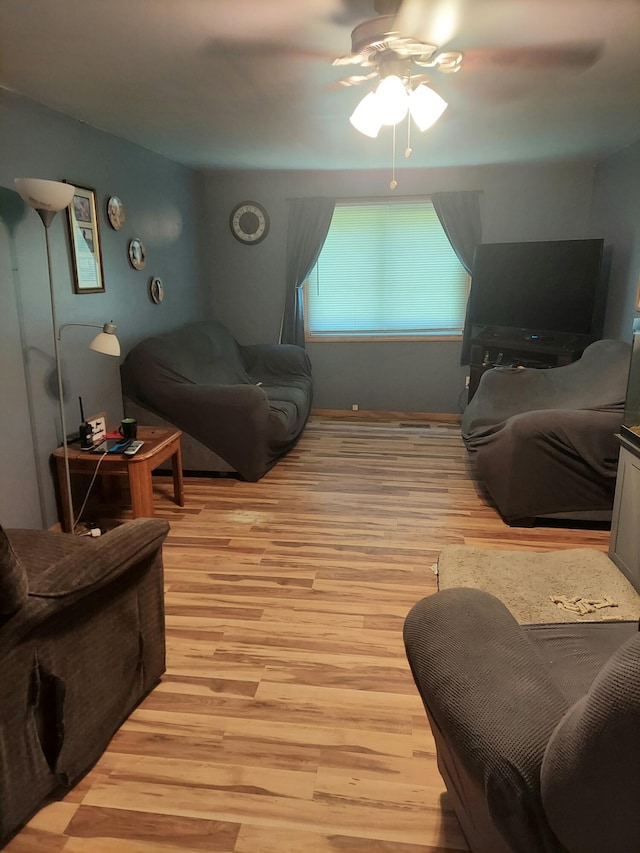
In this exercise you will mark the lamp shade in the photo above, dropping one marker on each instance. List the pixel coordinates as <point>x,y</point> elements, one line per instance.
<point>365,116</point>
<point>392,100</point>
<point>45,195</point>
<point>425,106</point>
<point>106,342</point>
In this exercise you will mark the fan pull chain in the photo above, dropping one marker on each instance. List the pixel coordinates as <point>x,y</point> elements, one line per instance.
<point>393,183</point>
<point>408,150</point>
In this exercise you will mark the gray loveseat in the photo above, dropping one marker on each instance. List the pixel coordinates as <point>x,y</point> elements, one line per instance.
<point>537,729</point>
<point>240,408</point>
<point>81,643</point>
<point>543,441</point>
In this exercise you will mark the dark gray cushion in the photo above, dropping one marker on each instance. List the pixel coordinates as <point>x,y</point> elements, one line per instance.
<point>13,578</point>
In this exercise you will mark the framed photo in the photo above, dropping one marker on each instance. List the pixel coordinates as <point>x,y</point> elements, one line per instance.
<point>115,213</point>
<point>156,290</point>
<point>137,254</point>
<point>84,238</point>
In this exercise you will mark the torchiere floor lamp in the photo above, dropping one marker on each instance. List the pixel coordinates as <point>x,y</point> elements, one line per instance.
<point>47,198</point>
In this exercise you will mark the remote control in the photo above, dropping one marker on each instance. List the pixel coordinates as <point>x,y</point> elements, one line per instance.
<point>133,448</point>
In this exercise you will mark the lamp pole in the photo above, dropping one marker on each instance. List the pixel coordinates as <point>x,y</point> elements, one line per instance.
<point>47,221</point>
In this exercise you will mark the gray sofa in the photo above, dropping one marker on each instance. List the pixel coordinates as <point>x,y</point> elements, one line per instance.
<point>81,643</point>
<point>240,408</point>
<point>543,441</point>
<point>537,729</point>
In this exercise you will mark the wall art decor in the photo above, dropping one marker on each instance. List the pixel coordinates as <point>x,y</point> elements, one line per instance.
<point>156,290</point>
<point>137,254</point>
<point>115,213</point>
<point>84,237</point>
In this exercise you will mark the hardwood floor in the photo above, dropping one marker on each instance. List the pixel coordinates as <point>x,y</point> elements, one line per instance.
<point>287,719</point>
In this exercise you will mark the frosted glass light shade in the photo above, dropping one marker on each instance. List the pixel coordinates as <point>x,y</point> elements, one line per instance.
<point>365,117</point>
<point>425,106</point>
<point>106,342</point>
<point>45,195</point>
<point>392,100</point>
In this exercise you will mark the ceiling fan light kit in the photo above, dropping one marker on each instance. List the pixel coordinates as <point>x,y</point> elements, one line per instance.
<point>426,106</point>
<point>400,93</point>
<point>365,117</point>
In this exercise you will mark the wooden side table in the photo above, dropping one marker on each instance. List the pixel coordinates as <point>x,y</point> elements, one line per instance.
<point>160,444</point>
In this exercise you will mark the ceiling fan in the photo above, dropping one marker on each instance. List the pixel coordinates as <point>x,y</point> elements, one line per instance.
<point>379,44</point>
<point>394,39</point>
<point>408,39</point>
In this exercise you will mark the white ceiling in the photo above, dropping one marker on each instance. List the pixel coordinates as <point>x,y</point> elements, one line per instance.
<point>250,84</point>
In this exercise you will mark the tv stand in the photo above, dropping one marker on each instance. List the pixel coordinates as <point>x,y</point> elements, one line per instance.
<point>502,346</point>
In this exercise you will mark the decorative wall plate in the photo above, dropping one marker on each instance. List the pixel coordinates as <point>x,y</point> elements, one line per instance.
<point>156,290</point>
<point>137,254</point>
<point>249,222</point>
<point>115,213</point>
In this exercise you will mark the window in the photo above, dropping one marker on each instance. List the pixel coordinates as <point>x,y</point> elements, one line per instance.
<point>386,270</point>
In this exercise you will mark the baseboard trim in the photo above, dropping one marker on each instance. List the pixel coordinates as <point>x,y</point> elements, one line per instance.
<point>365,415</point>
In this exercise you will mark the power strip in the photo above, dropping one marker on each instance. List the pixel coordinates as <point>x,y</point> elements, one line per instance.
<point>98,425</point>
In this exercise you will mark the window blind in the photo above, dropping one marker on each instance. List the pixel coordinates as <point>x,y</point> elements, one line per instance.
<point>386,269</point>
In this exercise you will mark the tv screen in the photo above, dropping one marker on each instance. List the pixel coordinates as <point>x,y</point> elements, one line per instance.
<point>546,286</point>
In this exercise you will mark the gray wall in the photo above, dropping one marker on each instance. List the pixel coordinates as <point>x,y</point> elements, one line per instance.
<point>545,202</point>
<point>616,217</point>
<point>162,206</point>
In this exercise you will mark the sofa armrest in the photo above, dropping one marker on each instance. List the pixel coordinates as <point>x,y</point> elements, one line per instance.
<point>488,691</point>
<point>100,561</point>
<point>276,360</point>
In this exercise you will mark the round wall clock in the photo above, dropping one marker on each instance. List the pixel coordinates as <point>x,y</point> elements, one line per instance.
<point>115,213</point>
<point>249,222</point>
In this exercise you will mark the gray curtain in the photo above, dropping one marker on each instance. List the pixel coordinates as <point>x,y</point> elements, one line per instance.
<point>459,215</point>
<point>309,220</point>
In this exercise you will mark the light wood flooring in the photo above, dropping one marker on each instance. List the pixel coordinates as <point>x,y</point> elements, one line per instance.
<point>287,719</point>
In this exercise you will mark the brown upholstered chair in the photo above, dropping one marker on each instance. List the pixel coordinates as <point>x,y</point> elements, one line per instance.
<point>81,643</point>
<point>537,730</point>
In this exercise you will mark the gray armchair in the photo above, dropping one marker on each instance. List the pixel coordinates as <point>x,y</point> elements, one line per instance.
<point>81,643</point>
<point>543,440</point>
<point>537,730</point>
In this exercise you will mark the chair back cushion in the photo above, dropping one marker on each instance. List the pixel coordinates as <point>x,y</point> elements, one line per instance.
<point>590,777</point>
<point>13,578</point>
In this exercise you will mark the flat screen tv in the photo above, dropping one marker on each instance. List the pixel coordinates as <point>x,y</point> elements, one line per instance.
<point>552,286</point>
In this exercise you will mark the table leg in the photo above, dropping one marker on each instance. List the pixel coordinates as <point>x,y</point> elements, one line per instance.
<point>141,491</point>
<point>63,492</point>
<point>178,481</point>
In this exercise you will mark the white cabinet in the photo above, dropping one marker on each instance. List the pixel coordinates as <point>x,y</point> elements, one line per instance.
<point>624,547</point>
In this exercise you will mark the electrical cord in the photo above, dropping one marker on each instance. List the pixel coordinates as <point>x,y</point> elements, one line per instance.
<point>86,497</point>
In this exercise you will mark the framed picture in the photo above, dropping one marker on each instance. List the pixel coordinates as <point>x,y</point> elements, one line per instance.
<point>115,213</point>
<point>156,290</point>
<point>137,254</point>
<point>84,237</point>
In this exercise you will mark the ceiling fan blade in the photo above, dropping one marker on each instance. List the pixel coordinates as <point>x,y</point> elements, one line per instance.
<point>350,59</point>
<point>435,22</point>
<point>357,79</point>
<point>578,56</point>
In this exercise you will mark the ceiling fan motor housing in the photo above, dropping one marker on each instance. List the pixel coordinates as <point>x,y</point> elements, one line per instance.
<point>372,39</point>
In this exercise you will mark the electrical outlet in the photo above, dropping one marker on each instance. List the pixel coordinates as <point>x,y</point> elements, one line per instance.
<point>355,407</point>
<point>98,424</point>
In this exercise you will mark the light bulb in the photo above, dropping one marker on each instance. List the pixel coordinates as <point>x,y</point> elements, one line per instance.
<point>392,100</point>
<point>425,106</point>
<point>365,117</point>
